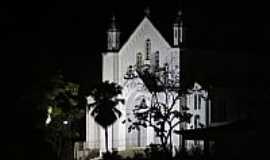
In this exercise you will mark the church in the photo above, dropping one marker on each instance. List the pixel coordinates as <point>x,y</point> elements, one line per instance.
<point>145,47</point>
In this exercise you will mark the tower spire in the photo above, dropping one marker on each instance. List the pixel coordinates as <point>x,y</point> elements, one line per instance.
<point>178,29</point>
<point>113,35</point>
<point>113,24</point>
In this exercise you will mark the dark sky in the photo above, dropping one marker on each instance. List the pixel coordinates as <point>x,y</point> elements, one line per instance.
<point>78,28</point>
<point>40,35</point>
<point>228,39</point>
<point>37,37</point>
<point>72,34</point>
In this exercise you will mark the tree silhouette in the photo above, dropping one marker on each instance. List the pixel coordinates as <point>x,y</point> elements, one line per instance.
<point>162,114</point>
<point>105,99</point>
<point>64,108</point>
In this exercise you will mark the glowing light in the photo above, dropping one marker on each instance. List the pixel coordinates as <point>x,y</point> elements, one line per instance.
<point>48,120</point>
<point>90,100</point>
<point>65,122</point>
<point>50,110</point>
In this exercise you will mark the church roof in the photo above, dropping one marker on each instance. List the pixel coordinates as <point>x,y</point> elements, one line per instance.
<point>146,21</point>
<point>163,25</point>
<point>228,128</point>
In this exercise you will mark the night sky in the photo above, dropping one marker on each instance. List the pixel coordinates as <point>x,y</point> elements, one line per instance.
<point>72,34</point>
<point>38,37</point>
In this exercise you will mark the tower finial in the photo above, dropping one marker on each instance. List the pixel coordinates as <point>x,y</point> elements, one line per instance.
<point>179,13</point>
<point>113,23</point>
<point>178,18</point>
<point>147,11</point>
<point>113,17</point>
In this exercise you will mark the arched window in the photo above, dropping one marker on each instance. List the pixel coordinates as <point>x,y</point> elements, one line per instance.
<point>196,124</point>
<point>139,59</point>
<point>196,121</point>
<point>109,41</point>
<point>156,60</point>
<point>199,101</point>
<point>148,49</point>
<point>113,40</point>
<point>195,101</point>
<point>176,33</point>
<point>181,32</point>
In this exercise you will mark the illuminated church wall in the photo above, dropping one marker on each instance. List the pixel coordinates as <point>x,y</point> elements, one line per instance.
<point>147,46</point>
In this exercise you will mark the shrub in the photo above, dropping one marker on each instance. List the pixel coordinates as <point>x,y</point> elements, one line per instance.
<point>156,152</point>
<point>111,156</point>
<point>93,153</point>
<point>181,154</point>
<point>130,153</point>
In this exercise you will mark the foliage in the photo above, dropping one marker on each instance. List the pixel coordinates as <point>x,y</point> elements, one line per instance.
<point>93,153</point>
<point>111,156</point>
<point>131,152</point>
<point>105,98</point>
<point>139,156</point>
<point>181,153</point>
<point>196,151</point>
<point>65,108</point>
<point>162,114</point>
<point>115,155</point>
<point>155,151</point>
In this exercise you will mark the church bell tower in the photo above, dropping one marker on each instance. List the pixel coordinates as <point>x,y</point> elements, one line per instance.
<point>178,30</point>
<point>113,36</point>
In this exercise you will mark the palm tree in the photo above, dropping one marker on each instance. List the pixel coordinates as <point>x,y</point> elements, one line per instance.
<point>105,100</point>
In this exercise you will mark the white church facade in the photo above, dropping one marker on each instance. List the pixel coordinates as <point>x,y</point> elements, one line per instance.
<point>145,47</point>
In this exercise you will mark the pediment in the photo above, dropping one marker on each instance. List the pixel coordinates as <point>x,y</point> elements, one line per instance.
<point>145,30</point>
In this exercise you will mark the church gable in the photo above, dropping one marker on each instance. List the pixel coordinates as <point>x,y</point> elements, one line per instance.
<point>145,28</point>
<point>145,34</point>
